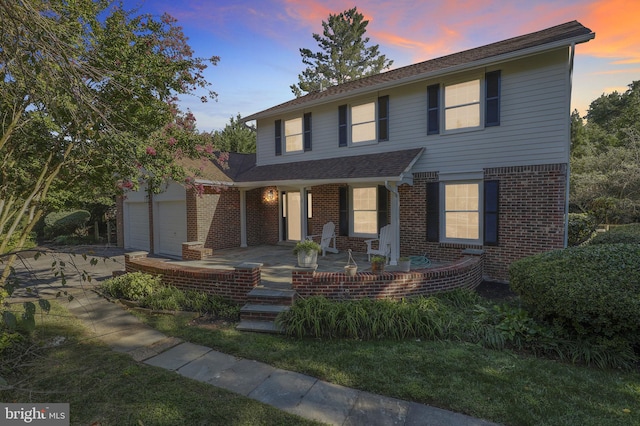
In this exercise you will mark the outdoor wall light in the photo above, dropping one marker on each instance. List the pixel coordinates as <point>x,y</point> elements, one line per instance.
<point>270,195</point>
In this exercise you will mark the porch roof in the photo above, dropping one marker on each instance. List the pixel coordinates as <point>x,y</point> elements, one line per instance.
<point>390,166</point>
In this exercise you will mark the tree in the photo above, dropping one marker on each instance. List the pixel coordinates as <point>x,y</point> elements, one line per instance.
<point>236,137</point>
<point>88,96</point>
<point>344,54</point>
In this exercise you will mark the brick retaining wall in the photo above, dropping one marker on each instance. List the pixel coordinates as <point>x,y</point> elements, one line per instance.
<point>464,273</point>
<point>231,284</point>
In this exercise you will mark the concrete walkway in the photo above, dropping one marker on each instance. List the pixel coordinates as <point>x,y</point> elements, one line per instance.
<point>289,391</point>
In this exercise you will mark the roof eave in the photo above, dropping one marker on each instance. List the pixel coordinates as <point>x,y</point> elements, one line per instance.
<point>498,59</point>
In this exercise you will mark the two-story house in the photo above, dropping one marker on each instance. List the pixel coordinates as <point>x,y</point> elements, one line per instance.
<point>469,150</point>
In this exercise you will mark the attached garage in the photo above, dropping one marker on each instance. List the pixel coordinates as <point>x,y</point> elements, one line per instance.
<point>170,221</point>
<point>136,222</point>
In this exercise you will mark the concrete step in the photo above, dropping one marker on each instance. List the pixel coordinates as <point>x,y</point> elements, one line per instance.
<point>261,312</point>
<point>258,326</point>
<point>271,296</point>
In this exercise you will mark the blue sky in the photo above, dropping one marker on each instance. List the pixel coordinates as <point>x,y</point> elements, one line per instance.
<point>258,41</point>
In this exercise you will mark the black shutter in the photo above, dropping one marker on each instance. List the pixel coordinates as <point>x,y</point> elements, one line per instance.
<point>342,125</point>
<point>278,137</point>
<point>383,206</point>
<point>343,228</point>
<point>491,212</point>
<point>433,212</point>
<point>307,131</point>
<point>383,118</point>
<point>433,109</point>
<point>492,96</point>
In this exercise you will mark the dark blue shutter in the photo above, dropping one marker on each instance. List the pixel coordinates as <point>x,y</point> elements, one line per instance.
<point>342,125</point>
<point>433,211</point>
<point>491,212</point>
<point>278,137</point>
<point>383,118</point>
<point>343,207</point>
<point>383,206</point>
<point>307,131</point>
<point>433,109</point>
<point>492,96</point>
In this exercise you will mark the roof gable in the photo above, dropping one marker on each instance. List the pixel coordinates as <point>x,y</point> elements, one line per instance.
<point>554,37</point>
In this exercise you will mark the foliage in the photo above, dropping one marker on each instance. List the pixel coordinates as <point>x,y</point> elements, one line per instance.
<point>605,158</point>
<point>89,96</point>
<point>65,222</point>
<point>582,227</point>
<point>236,136</point>
<point>379,260</point>
<point>591,291</point>
<point>14,240</point>
<point>344,54</point>
<point>629,234</point>
<point>131,286</point>
<point>306,246</point>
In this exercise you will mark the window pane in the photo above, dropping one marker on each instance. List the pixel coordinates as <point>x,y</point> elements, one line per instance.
<point>462,197</point>
<point>461,117</point>
<point>294,143</point>
<point>364,222</point>
<point>363,132</point>
<point>462,225</point>
<point>462,93</point>
<point>364,199</point>
<point>363,113</point>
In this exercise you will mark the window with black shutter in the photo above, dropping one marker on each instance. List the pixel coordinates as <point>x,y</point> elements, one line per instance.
<point>383,118</point>
<point>433,109</point>
<point>343,207</point>
<point>278,125</point>
<point>492,96</point>
<point>307,131</point>
<point>433,211</point>
<point>342,125</point>
<point>491,212</point>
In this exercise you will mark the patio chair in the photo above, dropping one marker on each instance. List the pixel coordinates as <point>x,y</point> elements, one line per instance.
<point>384,244</point>
<point>328,235</point>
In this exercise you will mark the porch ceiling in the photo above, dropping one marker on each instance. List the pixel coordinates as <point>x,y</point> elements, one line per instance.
<point>391,166</point>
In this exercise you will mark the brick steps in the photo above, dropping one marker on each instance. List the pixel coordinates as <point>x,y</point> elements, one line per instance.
<point>262,307</point>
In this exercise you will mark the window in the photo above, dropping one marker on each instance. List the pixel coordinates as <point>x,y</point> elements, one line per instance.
<point>365,122</point>
<point>462,105</point>
<point>297,134</point>
<point>461,211</point>
<point>293,135</point>
<point>365,210</point>
<point>457,212</point>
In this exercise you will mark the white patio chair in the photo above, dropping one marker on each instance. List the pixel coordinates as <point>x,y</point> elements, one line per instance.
<point>384,244</point>
<point>328,235</point>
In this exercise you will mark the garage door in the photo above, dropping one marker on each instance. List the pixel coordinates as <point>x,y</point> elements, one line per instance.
<point>171,227</point>
<point>136,235</point>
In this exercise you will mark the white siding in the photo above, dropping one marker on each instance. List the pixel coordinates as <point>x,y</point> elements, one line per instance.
<point>533,129</point>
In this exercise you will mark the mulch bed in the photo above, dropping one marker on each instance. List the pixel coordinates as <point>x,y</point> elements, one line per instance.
<point>499,292</point>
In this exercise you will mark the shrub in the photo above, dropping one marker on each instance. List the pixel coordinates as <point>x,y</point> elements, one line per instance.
<point>590,291</point>
<point>65,222</point>
<point>132,286</point>
<point>619,234</point>
<point>582,227</point>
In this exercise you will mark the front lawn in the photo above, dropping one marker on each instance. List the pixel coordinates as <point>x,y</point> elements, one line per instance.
<point>108,388</point>
<point>500,386</point>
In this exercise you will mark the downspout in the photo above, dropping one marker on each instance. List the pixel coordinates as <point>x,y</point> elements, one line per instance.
<point>243,217</point>
<point>395,222</point>
<point>572,52</point>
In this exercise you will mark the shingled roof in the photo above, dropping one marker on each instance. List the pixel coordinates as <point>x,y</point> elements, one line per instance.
<point>383,166</point>
<point>554,37</point>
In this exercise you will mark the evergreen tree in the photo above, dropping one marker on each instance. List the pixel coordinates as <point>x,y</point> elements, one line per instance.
<point>344,54</point>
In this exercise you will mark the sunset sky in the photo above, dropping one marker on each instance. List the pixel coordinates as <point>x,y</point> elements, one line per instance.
<point>258,41</point>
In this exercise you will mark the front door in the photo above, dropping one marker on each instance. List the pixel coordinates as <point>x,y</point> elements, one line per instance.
<point>291,215</point>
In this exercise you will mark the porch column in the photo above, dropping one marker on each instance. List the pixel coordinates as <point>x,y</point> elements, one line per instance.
<point>303,213</point>
<point>243,217</point>
<point>395,222</point>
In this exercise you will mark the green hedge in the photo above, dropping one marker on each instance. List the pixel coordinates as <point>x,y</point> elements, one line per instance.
<point>592,290</point>
<point>619,234</point>
<point>65,222</point>
<point>582,226</point>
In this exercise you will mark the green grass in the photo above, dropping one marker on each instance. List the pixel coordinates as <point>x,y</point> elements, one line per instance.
<point>500,386</point>
<point>107,388</point>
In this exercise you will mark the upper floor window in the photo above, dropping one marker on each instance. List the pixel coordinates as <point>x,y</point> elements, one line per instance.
<point>464,105</point>
<point>364,122</point>
<point>297,134</point>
